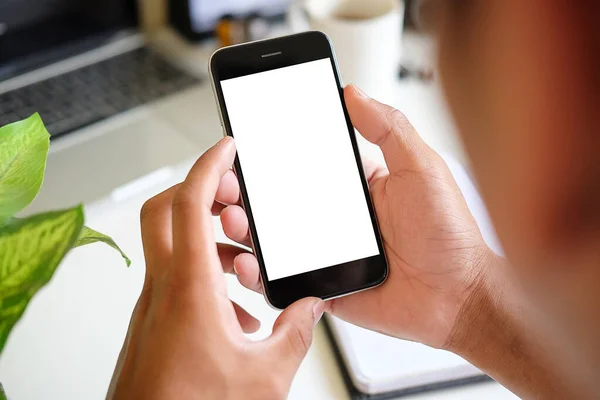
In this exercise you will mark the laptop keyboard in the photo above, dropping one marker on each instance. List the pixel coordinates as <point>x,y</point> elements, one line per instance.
<point>95,92</point>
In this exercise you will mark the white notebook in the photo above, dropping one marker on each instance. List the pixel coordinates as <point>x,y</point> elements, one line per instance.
<point>378,364</point>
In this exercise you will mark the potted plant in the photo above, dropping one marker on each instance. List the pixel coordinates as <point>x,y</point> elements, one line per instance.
<point>31,248</point>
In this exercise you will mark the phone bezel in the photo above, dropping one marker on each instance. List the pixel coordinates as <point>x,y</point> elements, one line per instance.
<point>246,59</point>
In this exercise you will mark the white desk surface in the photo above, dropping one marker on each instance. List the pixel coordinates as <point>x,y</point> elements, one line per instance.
<point>66,345</point>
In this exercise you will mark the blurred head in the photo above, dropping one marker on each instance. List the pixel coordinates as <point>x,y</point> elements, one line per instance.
<point>522,79</point>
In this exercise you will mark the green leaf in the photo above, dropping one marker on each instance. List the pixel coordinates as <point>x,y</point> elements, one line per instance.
<point>2,393</point>
<point>89,236</point>
<point>30,250</point>
<point>23,151</point>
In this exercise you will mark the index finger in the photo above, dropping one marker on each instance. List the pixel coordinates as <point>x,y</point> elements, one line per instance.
<point>195,255</point>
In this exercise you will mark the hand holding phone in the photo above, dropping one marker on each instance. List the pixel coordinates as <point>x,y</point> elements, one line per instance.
<point>437,257</point>
<point>185,339</point>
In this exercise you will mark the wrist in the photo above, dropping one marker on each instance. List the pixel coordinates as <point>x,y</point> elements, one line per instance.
<point>498,331</point>
<point>479,307</point>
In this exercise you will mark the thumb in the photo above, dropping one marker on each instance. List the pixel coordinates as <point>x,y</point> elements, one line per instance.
<point>388,128</point>
<point>293,331</point>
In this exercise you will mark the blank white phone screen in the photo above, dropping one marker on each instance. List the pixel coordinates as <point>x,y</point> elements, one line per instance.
<point>299,167</point>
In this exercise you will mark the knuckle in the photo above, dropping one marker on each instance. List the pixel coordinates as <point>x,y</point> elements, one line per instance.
<point>393,126</point>
<point>299,340</point>
<point>148,208</point>
<point>184,199</point>
<point>192,195</point>
<point>398,123</point>
<point>398,117</point>
<point>402,131</point>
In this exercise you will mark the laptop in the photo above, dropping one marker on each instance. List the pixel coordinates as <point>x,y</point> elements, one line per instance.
<point>116,108</point>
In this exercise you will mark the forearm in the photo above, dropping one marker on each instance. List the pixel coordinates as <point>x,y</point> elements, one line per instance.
<point>501,335</point>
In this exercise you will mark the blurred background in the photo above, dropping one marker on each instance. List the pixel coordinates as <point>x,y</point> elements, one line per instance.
<point>123,88</point>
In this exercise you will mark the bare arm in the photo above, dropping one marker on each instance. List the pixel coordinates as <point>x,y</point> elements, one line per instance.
<point>499,333</point>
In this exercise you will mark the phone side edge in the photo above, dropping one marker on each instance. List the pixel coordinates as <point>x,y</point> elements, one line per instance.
<point>360,165</point>
<point>266,296</point>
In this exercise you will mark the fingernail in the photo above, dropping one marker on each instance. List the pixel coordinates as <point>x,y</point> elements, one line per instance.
<point>235,271</point>
<point>318,310</point>
<point>360,92</point>
<point>226,139</point>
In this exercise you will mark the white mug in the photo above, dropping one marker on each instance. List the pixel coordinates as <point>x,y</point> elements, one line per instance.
<point>366,35</point>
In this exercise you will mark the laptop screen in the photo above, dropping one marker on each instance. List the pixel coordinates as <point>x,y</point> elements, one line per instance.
<point>38,32</point>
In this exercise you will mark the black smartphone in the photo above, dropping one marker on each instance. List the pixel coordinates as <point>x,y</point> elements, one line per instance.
<point>312,224</point>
